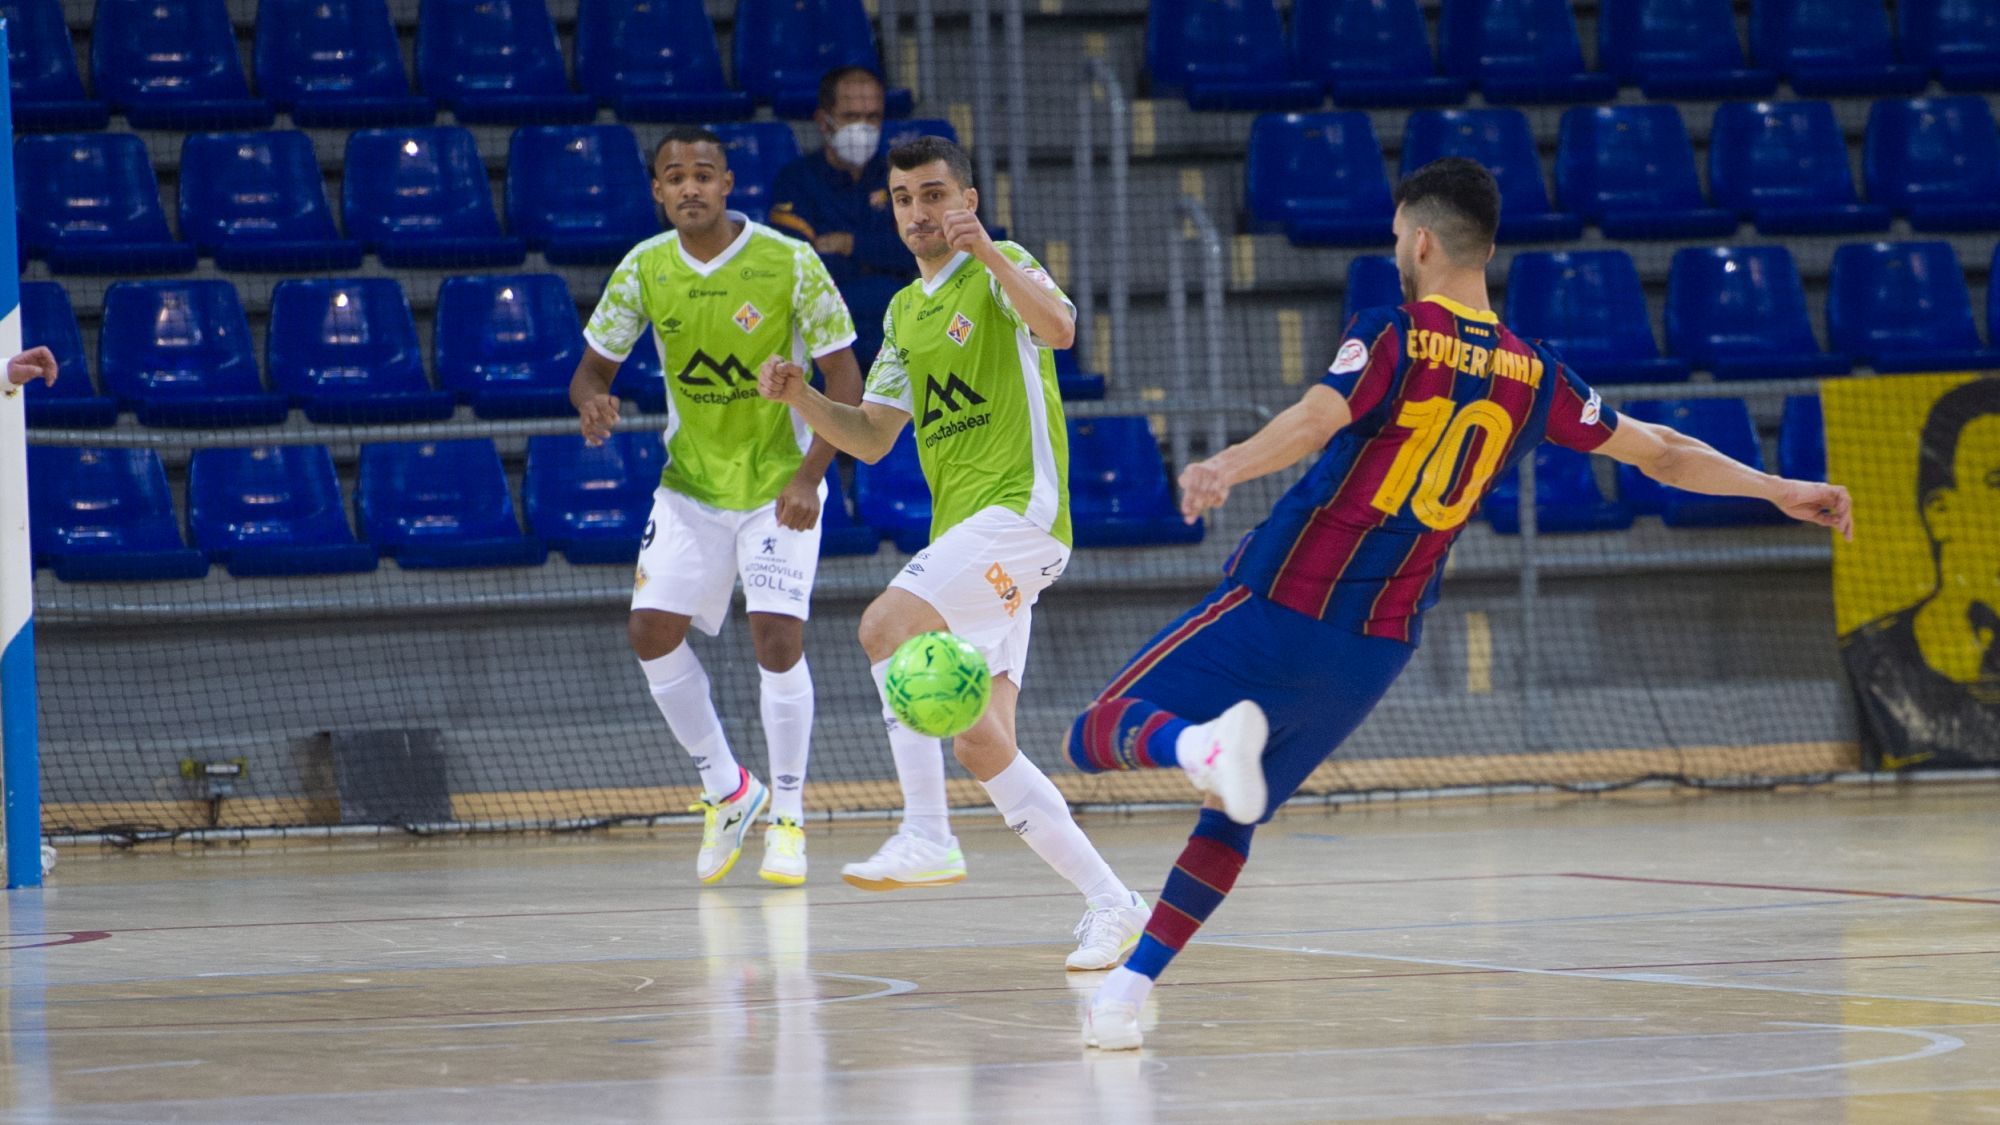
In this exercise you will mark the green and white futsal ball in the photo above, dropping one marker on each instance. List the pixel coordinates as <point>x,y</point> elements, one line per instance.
<point>938,685</point>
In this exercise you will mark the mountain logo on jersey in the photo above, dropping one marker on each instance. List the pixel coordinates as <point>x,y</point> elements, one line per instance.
<point>960,329</point>
<point>954,393</point>
<point>730,371</point>
<point>748,318</point>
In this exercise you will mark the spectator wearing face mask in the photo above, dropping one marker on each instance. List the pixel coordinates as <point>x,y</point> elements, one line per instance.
<point>838,200</point>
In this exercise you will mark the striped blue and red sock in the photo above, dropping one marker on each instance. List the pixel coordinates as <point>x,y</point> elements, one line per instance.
<point>1201,877</point>
<point>1125,734</point>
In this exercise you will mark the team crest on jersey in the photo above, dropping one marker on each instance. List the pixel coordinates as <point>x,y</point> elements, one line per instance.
<point>1593,410</point>
<point>748,318</point>
<point>1353,357</point>
<point>960,329</point>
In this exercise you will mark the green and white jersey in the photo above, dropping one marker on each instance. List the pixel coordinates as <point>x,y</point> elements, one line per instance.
<point>981,391</point>
<point>716,322</point>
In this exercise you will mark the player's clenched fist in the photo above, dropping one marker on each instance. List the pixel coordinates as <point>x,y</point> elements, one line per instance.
<point>962,230</point>
<point>1827,505</point>
<point>599,413</point>
<point>780,380</point>
<point>35,363</point>
<point>1203,486</point>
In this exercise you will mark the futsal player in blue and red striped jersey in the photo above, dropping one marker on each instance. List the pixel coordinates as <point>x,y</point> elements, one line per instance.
<point>1320,607</point>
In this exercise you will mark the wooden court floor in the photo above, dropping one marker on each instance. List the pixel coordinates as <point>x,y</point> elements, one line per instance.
<point>1827,956</point>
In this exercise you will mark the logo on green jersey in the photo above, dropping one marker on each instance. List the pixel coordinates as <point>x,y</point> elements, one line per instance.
<point>730,371</point>
<point>954,393</point>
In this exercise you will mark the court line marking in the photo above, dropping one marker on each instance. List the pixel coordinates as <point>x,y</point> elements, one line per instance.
<point>1781,887</point>
<point>176,1064</point>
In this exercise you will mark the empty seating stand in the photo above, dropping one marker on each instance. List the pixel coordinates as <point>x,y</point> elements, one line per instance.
<point>1224,55</point>
<point>655,60</point>
<point>781,48</point>
<point>1519,51</point>
<point>1588,305</point>
<point>756,151</point>
<point>1783,166</point>
<point>1630,170</point>
<point>1825,47</point>
<point>892,497</point>
<point>1740,313</point>
<point>580,194</point>
<point>1678,49</point>
<point>71,402</point>
<point>346,351</point>
<point>1567,498</point>
<point>419,197</point>
<point>41,69</point>
<point>496,61</point>
<point>1903,306</point>
<point>592,504</point>
<point>172,66</point>
<point>1372,282</point>
<point>1935,161</point>
<point>179,353</point>
<point>1072,381</point>
<point>105,515</point>
<point>335,63</point>
<point>442,504</point>
<point>508,343</point>
<point>1319,178</point>
<point>1721,422</point>
<point>1370,53</point>
<point>639,380</point>
<point>840,532</point>
<point>93,206</point>
<point>1959,39</point>
<point>1118,490</point>
<point>256,201</point>
<point>1802,439</point>
<point>272,510</point>
<point>1501,140</point>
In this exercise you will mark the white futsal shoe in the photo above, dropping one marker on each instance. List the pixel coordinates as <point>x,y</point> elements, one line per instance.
<point>1224,757</point>
<point>784,853</point>
<point>1106,934</point>
<point>908,861</point>
<point>1112,1025</point>
<point>724,824</point>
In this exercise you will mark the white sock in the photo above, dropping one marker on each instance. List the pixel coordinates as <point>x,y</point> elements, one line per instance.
<point>1034,808</point>
<point>787,704</point>
<point>919,768</point>
<point>680,690</point>
<point>1125,986</point>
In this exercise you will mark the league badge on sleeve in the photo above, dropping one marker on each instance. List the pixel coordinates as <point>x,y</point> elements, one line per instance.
<point>1593,411</point>
<point>1353,357</point>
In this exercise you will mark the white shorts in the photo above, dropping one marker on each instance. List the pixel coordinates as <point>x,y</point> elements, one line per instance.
<point>693,554</point>
<point>983,576</point>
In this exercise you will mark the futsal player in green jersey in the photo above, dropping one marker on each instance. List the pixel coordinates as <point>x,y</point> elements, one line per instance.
<point>965,354</point>
<point>744,482</point>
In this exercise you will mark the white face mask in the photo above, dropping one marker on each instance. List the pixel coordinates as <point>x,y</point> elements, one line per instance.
<point>855,144</point>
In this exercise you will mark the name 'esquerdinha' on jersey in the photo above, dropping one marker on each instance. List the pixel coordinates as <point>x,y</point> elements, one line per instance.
<point>1444,399</point>
<point>980,389</point>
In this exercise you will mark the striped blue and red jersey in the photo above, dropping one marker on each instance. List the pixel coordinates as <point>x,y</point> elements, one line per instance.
<point>1444,399</point>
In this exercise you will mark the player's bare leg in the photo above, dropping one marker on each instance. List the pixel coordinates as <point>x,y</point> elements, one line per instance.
<point>786,704</point>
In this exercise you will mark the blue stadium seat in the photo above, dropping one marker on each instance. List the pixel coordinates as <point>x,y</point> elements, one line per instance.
<point>1118,490</point>
<point>1499,139</point>
<point>1073,382</point>
<point>508,344</point>
<point>892,497</point>
<point>780,49</point>
<point>654,60</point>
<point>99,515</point>
<point>272,510</point>
<point>1960,39</point>
<point>592,504</point>
<point>41,69</point>
<point>1519,51</point>
<point>1935,161</point>
<point>640,379</point>
<point>1319,177</point>
<point>1588,305</point>
<point>1721,422</point>
<point>1783,165</point>
<point>1567,498</point>
<point>579,193</point>
<point>172,66</point>
<point>47,320</point>
<point>179,353</point>
<point>1802,439</point>
<point>256,201</point>
<point>1630,169</point>
<point>1740,312</point>
<point>495,61</point>
<point>346,351</point>
<point>840,533</point>
<point>1372,281</point>
<point>419,197</point>
<point>335,63</point>
<point>442,504</point>
<point>1992,295</point>
<point>1224,54</point>
<point>89,203</point>
<point>1370,53</point>
<point>902,132</point>
<point>1827,47</point>
<point>1677,49</point>
<point>756,150</point>
<point>1903,306</point>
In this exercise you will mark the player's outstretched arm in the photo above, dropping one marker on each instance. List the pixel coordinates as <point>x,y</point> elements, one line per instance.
<point>1298,430</point>
<point>1673,458</point>
<point>590,393</point>
<point>798,503</point>
<point>35,363</point>
<point>867,431</point>
<point>1041,309</point>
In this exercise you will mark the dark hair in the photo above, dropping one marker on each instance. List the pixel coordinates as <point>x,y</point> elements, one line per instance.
<point>1458,199</point>
<point>829,85</point>
<point>927,150</point>
<point>1953,411</point>
<point>687,135</point>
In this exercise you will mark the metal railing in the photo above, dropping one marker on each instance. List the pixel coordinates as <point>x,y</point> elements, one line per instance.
<point>1100,82</point>
<point>1188,387</point>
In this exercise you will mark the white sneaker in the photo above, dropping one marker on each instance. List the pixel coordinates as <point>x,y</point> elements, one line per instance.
<point>908,861</point>
<point>1225,757</point>
<point>723,826</point>
<point>784,853</point>
<point>1106,934</point>
<point>1112,1025</point>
